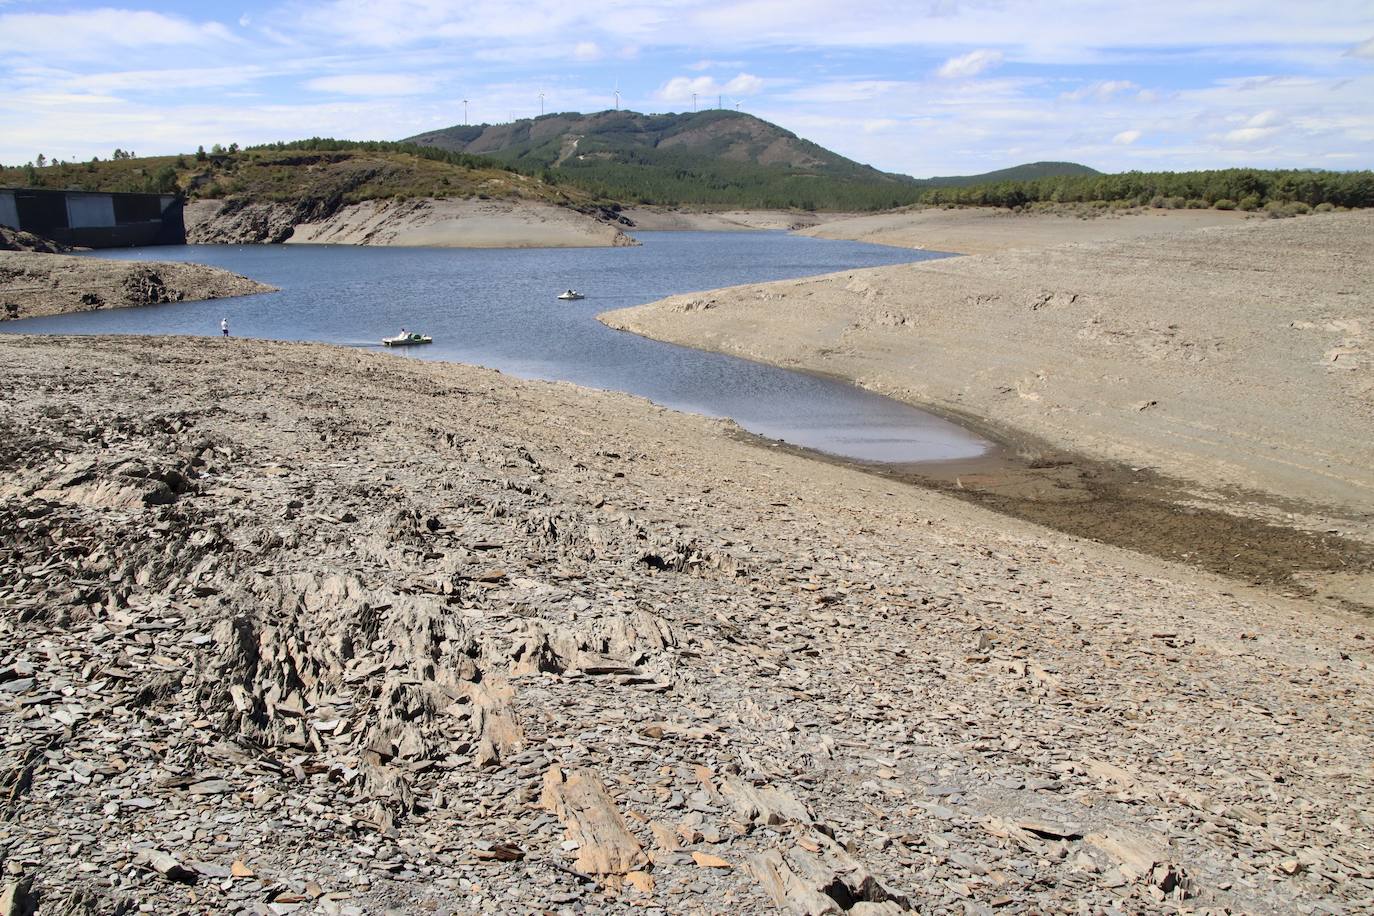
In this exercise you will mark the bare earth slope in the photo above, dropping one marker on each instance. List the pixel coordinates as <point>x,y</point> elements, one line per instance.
<point>1232,357</point>
<point>667,219</point>
<point>983,230</point>
<point>424,222</point>
<point>330,632</point>
<point>34,284</point>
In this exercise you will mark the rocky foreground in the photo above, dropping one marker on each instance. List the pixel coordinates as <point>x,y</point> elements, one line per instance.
<point>34,284</point>
<point>294,629</point>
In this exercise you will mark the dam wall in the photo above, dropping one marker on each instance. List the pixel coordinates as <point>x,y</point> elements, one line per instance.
<point>95,219</point>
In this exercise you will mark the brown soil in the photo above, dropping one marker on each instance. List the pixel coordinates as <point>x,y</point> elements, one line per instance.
<point>1139,509</point>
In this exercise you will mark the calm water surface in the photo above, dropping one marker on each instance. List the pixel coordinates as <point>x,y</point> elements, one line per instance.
<point>498,309</point>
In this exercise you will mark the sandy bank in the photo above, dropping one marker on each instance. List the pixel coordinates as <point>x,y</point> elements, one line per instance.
<point>983,230</point>
<point>1234,357</point>
<point>668,219</point>
<point>420,222</point>
<point>34,284</point>
<point>430,638</point>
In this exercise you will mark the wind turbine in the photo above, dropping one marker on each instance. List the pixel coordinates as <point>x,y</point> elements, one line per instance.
<point>541,103</point>
<point>465,112</point>
<point>694,101</point>
<point>617,95</point>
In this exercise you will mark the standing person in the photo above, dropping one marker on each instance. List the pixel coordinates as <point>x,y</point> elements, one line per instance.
<point>224,326</point>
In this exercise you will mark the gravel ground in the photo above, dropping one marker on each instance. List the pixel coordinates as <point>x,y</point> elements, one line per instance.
<point>34,284</point>
<point>297,629</point>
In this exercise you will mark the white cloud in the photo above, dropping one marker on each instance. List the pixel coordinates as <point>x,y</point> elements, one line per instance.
<point>682,88</point>
<point>370,84</point>
<point>970,64</point>
<point>159,80</point>
<point>1126,137</point>
<point>708,64</point>
<point>1364,49</point>
<point>1246,135</point>
<point>587,50</point>
<point>1102,91</point>
<point>101,32</point>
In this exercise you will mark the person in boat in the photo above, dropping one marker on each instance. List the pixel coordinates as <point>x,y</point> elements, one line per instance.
<point>404,335</point>
<point>570,294</point>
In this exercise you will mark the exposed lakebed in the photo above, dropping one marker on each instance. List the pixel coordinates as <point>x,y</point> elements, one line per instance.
<point>498,309</point>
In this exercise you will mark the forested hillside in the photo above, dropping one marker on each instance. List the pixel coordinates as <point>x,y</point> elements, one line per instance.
<point>1225,189</point>
<point>340,171</point>
<point>701,165</point>
<point>712,158</point>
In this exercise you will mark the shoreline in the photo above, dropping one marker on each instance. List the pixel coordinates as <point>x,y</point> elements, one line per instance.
<point>35,285</point>
<point>859,327</point>
<point>1028,478</point>
<point>418,222</point>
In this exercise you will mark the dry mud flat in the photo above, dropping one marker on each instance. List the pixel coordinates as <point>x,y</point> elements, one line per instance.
<point>293,629</point>
<point>662,219</point>
<point>983,230</point>
<point>1230,365</point>
<point>34,284</point>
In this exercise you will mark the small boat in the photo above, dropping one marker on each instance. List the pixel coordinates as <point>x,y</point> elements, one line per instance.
<point>407,340</point>
<point>571,294</point>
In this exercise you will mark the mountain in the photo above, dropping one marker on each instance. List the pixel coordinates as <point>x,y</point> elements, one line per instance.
<point>1027,172</point>
<point>714,158</point>
<point>570,139</point>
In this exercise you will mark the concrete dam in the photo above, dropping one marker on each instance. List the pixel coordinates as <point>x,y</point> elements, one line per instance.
<point>95,219</point>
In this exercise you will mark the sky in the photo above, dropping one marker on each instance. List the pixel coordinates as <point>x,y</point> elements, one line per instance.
<point>939,87</point>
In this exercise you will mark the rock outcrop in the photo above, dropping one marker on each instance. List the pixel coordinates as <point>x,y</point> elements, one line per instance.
<point>425,222</point>
<point>34,284</point>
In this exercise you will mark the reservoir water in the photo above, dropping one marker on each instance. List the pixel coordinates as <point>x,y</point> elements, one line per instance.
<point>498,309</point>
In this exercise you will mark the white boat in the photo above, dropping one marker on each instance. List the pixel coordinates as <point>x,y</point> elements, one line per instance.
<point>571,294</point>
<point>407,340</point>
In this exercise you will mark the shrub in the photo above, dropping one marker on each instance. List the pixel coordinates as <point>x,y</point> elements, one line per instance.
<point>1197,203</point>
<point>1225,204</point>
<point>1283,209</point>
<point>1175,203</point>
<point>1157,202</point>
<point>1324,207</point>
<point>1249,203</point>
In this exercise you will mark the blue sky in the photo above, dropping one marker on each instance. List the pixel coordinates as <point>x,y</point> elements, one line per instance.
<point>927,88</point>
